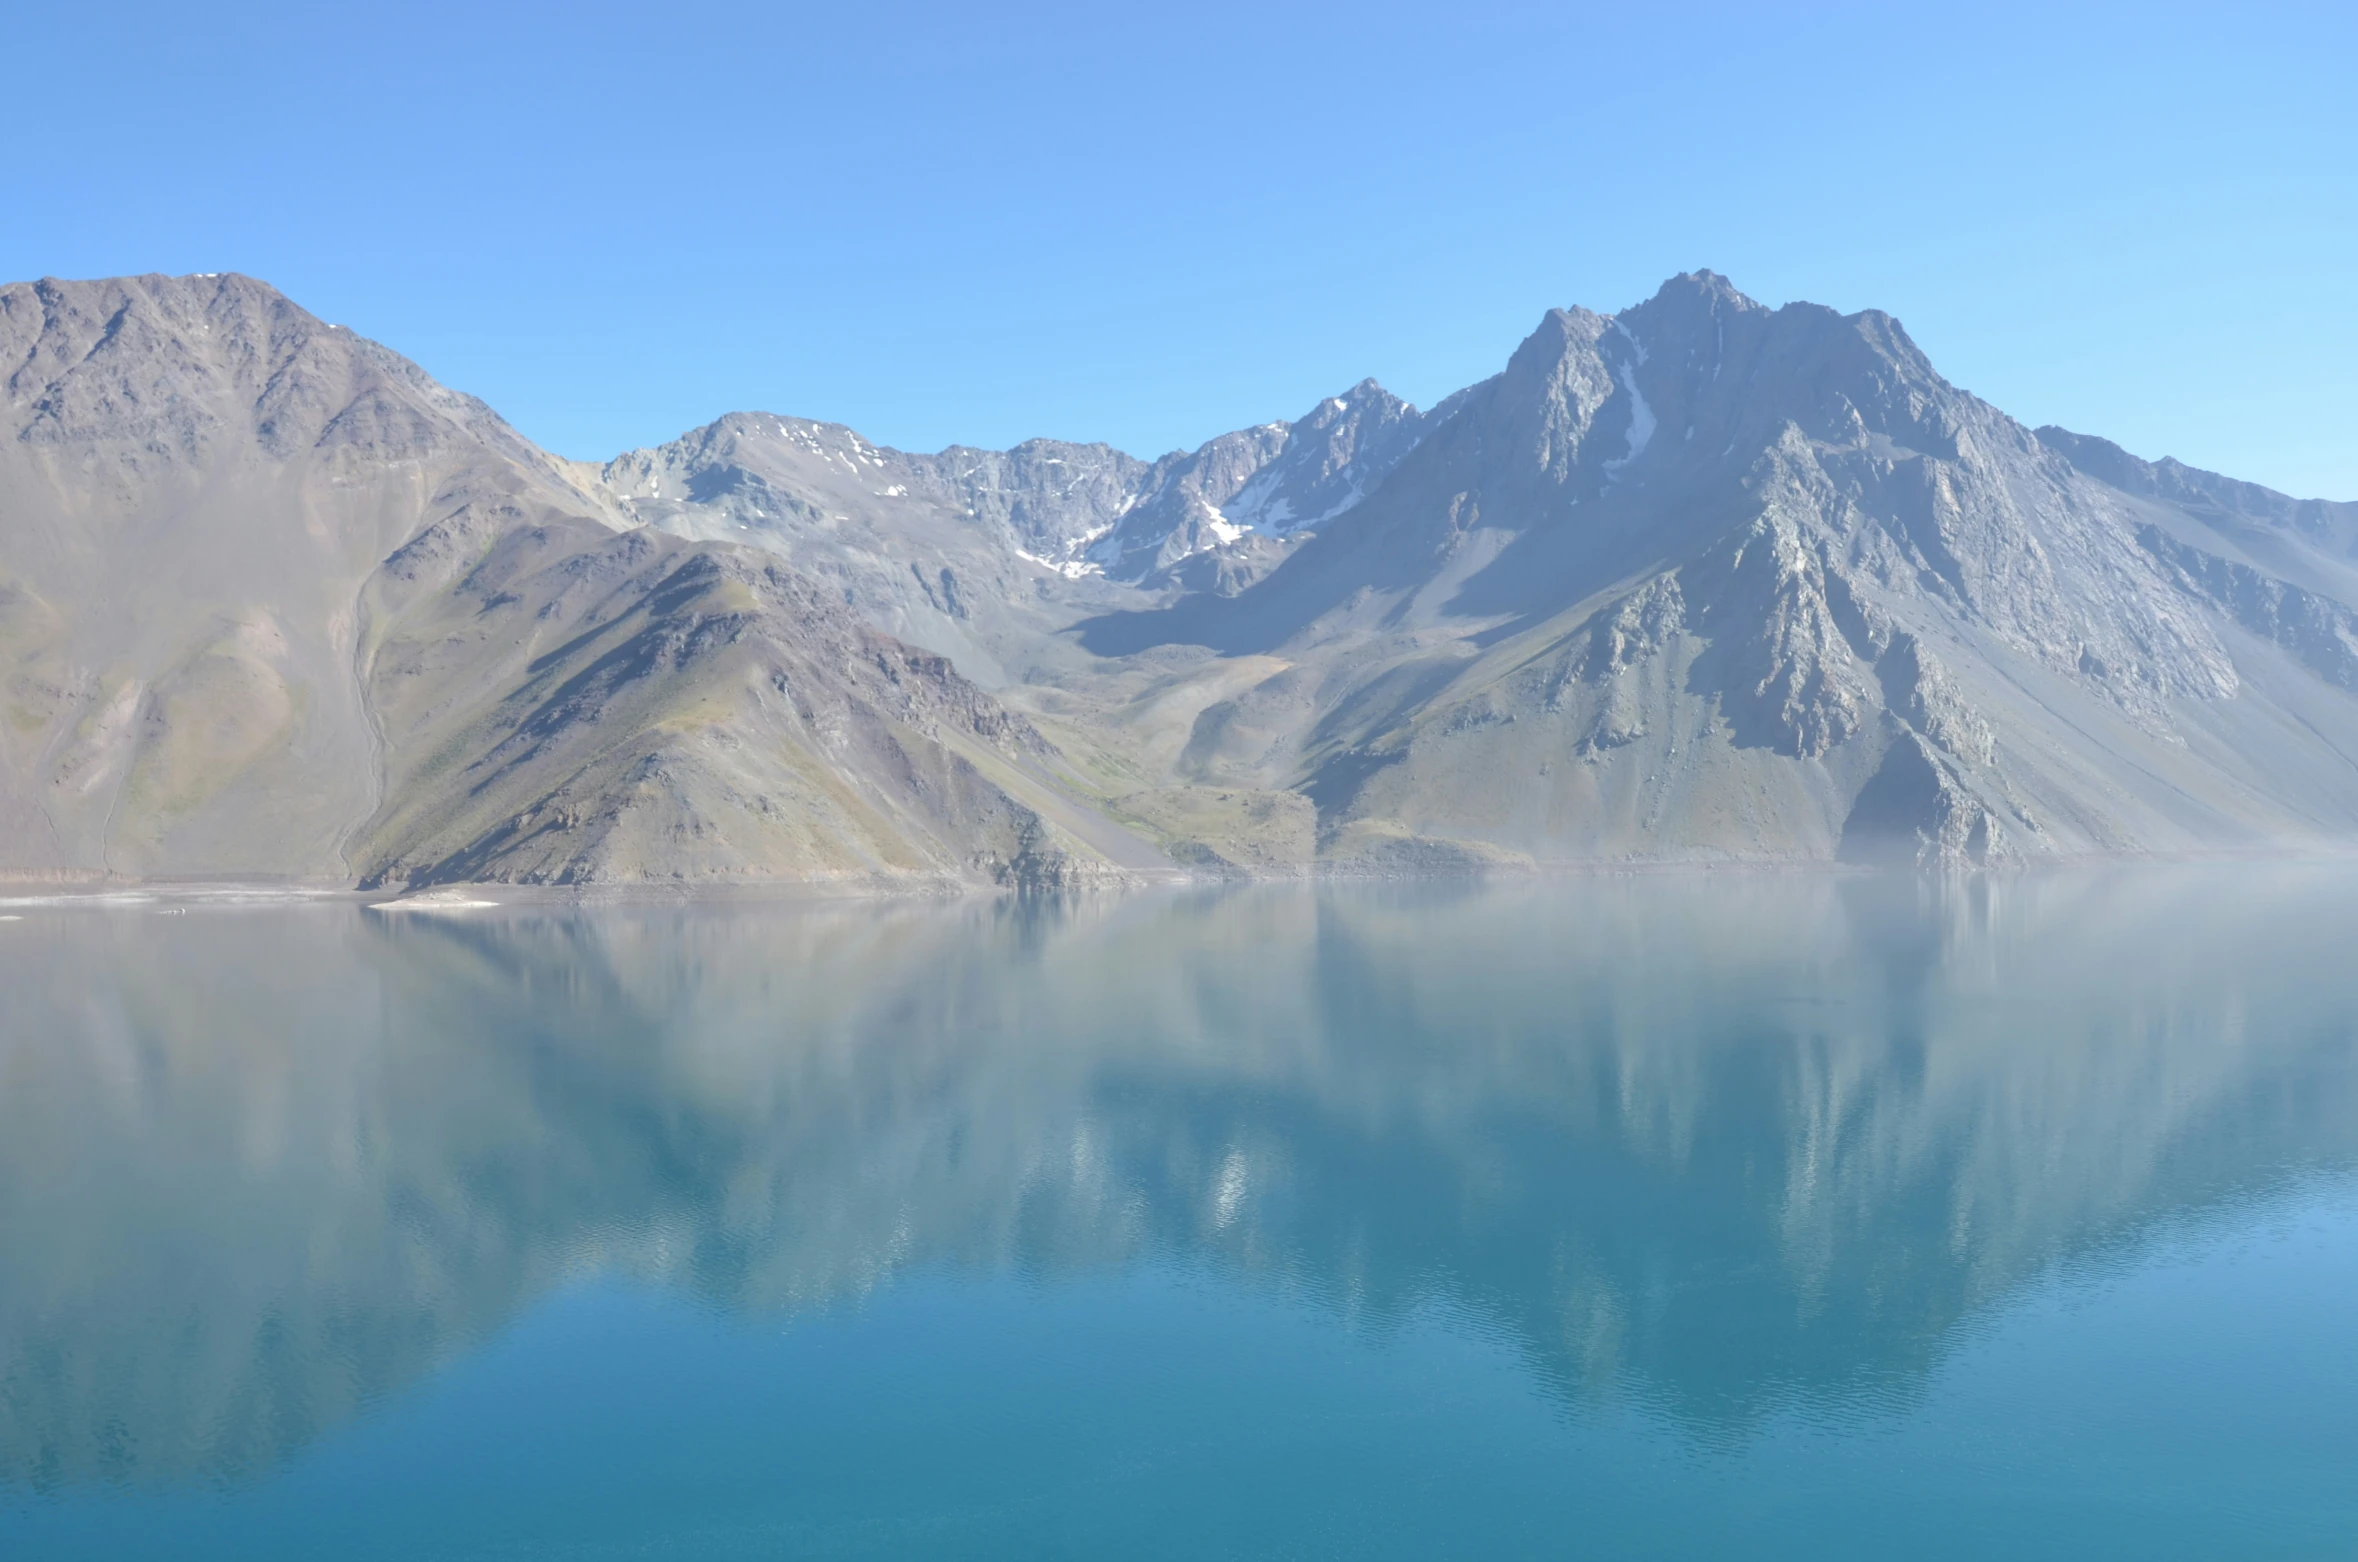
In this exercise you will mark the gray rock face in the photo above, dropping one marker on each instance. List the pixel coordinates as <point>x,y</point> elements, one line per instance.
<point>1700,581</point>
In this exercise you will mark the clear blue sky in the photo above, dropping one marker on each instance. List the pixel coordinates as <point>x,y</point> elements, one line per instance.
<point>1149,224</point>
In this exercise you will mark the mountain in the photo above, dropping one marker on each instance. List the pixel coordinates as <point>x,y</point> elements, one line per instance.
<point>272,602</point>
<point>1702,581</point>
<point>985,555</point>
<point>1710,581</point>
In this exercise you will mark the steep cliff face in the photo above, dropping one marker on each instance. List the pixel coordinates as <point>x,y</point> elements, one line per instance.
<point>248,626</point>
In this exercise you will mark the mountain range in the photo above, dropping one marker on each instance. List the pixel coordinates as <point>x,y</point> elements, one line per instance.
<point>1698,582</point>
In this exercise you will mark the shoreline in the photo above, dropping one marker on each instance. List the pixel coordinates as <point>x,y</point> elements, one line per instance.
<point>49,892</point>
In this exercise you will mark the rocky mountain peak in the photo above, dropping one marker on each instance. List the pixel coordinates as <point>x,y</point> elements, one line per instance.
<point>1367,394</point>
<point>1691,303</point>
<point>136,376</point>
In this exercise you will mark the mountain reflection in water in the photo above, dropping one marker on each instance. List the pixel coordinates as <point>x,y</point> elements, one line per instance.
<point>1730,1143</point>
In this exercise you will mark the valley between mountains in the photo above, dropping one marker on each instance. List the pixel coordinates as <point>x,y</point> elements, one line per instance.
<point>1699,582</point>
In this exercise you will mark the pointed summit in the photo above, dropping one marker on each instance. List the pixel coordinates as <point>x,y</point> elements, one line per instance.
<point>1706,286</point>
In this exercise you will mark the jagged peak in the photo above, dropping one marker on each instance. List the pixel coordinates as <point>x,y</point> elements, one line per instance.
<point>1560,332</point>
<point>1706,287</point>
<point>1885,332</point>
<point>169,367</point>
<point>1365,397</point>
<point>1694,307</point>
<point>222,298</point>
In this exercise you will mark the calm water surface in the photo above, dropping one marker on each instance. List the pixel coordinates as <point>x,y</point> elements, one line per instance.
<point>1672,1217</point>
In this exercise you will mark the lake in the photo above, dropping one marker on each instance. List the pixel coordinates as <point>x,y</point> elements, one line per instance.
<point>1671,1216</point>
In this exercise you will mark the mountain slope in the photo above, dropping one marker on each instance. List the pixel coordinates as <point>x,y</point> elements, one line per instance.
<point>589,707</point>
<point>232,535</point>
<point>197,477</point>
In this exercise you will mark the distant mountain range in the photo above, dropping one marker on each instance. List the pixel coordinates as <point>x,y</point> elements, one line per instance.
<point>1698,582</point>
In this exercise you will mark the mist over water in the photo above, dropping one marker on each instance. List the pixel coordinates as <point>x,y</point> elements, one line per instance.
<point>1797,1214</point>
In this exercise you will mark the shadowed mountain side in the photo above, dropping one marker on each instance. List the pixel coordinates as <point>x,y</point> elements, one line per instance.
<point>586,707</point>
<point>1734,1146</point>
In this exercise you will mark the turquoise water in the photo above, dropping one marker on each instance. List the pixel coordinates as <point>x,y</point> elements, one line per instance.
<point>1726,1216</point>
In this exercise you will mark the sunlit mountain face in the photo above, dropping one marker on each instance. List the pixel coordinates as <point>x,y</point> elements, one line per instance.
<point>1733,1149</point>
